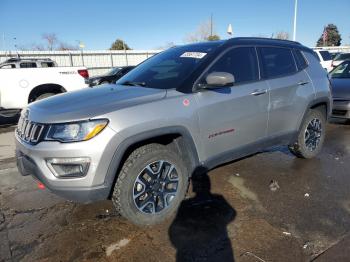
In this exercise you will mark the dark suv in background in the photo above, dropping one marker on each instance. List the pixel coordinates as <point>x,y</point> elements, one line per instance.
<point>110,78</point>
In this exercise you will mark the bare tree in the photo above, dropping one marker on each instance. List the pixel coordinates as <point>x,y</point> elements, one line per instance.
<point>166,46</point>
<point>282,35</point>
<point>204,32</point>
<point>51,40</point>
<point>64,47</point>
<point>37,47</point>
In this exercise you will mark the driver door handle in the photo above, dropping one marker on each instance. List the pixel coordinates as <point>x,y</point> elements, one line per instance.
<point>259,92</point>
<point>301,83</point>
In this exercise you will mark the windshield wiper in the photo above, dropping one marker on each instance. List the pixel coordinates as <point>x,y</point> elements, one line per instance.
<point>131,83</point>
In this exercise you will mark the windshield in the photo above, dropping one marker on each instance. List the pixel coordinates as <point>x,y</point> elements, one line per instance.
<point>170,68</point>
<point>341,71</point>
<point>113,71</point>
<point>341,57</point>
<point>326,56</point>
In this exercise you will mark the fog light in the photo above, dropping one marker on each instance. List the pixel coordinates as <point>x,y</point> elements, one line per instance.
<point>69,167</point>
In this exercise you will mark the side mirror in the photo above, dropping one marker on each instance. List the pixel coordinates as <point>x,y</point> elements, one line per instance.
<point>219,79</point>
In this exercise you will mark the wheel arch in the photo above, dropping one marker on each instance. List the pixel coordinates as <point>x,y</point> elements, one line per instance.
<point>177,137</point>
<point>319,102</point>
<point>45,88</point>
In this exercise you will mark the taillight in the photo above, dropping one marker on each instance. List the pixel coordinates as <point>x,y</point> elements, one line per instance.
<point>84,73</point>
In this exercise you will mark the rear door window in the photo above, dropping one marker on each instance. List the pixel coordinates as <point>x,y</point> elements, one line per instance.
<point>277,61</point>
<point>241,62</point>
<point>27,65</point>
<point>299,59</point>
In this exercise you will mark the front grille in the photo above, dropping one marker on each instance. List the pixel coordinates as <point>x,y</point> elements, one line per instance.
<point>29,131</point>
<point>339,112</point>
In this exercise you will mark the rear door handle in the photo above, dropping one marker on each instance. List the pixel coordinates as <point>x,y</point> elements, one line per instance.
<point>259,92</point>
<point>301,83</point>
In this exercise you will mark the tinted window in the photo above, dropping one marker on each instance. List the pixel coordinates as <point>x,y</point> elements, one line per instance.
<point>114,71</point>
<point>300,60</point>
<point>169,69</point>
<point>47,64</point>
<point>341,57</point>
<point>326,56</point>
<point>27,65</point>
<point>277,61</point>
<point>341,71</point>
<point>241,62</point>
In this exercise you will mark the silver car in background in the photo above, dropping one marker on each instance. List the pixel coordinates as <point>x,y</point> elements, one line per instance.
<point>340,82</point>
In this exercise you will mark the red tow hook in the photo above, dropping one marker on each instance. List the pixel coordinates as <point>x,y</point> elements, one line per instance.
<point>41,186</point>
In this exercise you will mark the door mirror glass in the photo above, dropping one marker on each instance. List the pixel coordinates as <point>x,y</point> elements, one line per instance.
<point>219,79</point>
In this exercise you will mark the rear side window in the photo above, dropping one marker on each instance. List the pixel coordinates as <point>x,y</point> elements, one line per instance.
<point>326,56</point>
<point>241,62</point>
<point>300,60</point>
<point>47,64</point>
<point>341,57</point>
<point>277,61</point>
<point>27,65</point>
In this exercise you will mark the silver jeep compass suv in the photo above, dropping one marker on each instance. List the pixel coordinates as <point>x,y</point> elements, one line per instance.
<point>188,108</point>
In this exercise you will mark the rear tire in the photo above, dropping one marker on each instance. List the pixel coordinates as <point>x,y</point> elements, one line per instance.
<point>311,135</point>
<point>43,96</point>
<point>151,185</point>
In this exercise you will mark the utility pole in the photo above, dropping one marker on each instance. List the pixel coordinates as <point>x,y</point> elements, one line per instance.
<point>295,20</point>
<point>211,24</point>
<point>3,42</point>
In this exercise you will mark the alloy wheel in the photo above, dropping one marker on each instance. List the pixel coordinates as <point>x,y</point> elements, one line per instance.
<point>155,187</point>
<point>313,134</point>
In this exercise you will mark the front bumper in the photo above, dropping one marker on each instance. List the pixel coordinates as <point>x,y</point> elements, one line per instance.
<point>341,109</point>
<point>32,160</point>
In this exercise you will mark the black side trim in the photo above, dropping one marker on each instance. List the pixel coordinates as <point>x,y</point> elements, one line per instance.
<point>250,149</point>
<point>115,164</point>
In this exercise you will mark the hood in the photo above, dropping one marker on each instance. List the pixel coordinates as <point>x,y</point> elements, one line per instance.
<point>340,88</point>
<point>90,102</point>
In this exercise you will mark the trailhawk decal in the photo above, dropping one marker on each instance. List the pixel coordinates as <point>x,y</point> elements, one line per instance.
<point>197,55</point>
<point>221,133</point>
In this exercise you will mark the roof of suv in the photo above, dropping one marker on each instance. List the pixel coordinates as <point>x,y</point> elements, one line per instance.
<point>255,41</point>
<point>265,41</point>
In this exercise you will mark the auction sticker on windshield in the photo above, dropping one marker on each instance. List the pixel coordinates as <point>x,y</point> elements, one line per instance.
<point>197,55</point>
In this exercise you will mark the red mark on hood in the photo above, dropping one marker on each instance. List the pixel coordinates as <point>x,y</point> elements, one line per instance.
<point>186,102</point>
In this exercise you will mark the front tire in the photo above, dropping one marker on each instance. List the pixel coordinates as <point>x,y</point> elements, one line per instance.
<point>151,185</point>
<point>311,135</point>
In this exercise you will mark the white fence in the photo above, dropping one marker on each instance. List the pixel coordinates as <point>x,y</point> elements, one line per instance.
<point>98,62</point>
<point>331,49</point>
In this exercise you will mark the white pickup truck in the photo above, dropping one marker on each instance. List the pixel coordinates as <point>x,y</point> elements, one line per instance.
<point>21,86</point>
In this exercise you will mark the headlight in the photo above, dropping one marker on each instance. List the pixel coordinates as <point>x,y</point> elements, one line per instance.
<point>77,131</point>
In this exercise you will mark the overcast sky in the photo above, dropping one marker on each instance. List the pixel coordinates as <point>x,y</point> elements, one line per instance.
<point>152,24</point>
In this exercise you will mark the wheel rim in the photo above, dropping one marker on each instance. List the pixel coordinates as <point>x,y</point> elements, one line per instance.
<point>313,134</point>
<point>155,187</point>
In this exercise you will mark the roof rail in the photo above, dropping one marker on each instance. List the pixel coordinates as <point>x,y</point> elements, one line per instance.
<point>18,59</point>
<point>264,39</point>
